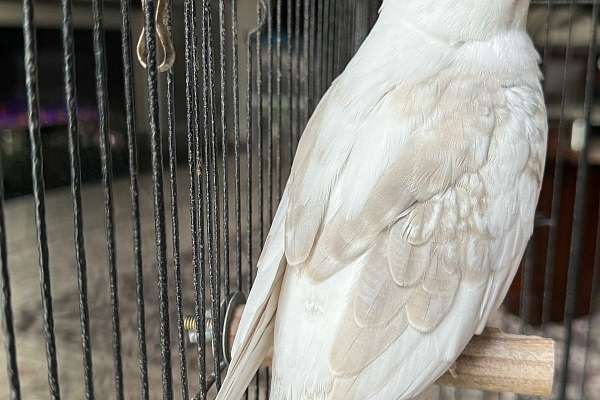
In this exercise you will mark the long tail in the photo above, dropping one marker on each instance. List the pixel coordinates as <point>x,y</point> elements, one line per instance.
<point>249,357</point>
<point>254,338</point>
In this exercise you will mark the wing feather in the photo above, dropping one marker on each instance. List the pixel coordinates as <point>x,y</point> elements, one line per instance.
<point>407,262</point>
<point>377,299</point>
<point>424,222</point>
<point>423,233</point>
<point>430,163</point>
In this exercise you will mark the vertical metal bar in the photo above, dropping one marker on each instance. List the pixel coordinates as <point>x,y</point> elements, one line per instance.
<point>312,60</point>
<point>345,29</point>
<point>75,169</point>
<point>31,83</point>
<point>592,318</point>
<point>338,37</point>
<point>262,14</point>
<point>237,140</point>
<point>196,199</point>
<point>546,49</point>
<point>580,205</point>
<point>345,32</point>
<point>269,166</point>
<point>320,6</point>
<point>332,42</point>
<point>259,117</point>
<point>290,81</point>
<point>12,370</point>
<point>211,186</point>
<point>106,160</point>
<point>158,199</point>
<point>326,49</point>
<point>254,33</point>
<point>204,241</point>
<point>325,52</point>
<point>353,24</point>
<point>267,383</point>
<point>557,184</point>
<point>172,140</point>
<point>224,143</point>
<point>296,89</point>
<point>269,162</point>
<point>306,72</point>
<point>373,9</point>
<point>249,112</point>
<point>279,103</point>
<point>134,195</point>
<point>527,270</point>
<point>360,24</point>
<point>175,230</point>
<point>204,248</point>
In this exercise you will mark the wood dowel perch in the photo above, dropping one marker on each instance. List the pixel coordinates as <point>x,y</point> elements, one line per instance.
<point>499,362</point>
<point>494,362</point>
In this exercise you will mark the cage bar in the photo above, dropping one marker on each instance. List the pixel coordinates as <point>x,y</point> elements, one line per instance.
<point>106,160</point>
<point>134,190</point>
<point>8,328</point>
<point>172,145</point>
<point>31,84</point>
<point>75,167</point>
<point>579,211</point>
<point>158,198</point>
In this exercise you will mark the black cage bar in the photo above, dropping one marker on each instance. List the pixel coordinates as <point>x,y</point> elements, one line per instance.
<point>175,177</point>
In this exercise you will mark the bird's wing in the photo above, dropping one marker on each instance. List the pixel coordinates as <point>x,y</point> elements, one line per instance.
<point>254,336</point>
<point>421,233</point>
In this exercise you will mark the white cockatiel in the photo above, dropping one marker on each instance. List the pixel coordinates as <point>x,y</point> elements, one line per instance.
<point>410,204</point>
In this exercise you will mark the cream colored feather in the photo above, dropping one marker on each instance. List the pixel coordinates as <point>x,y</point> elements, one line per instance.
<point>409,207</point>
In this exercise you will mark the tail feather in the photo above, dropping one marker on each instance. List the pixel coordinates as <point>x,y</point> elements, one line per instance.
<point>251,350</point>
<point>254,338</point>
<point>240,374</point>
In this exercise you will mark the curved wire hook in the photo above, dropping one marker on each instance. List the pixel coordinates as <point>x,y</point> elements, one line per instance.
<point>164,37</point>
<point>262,19</point>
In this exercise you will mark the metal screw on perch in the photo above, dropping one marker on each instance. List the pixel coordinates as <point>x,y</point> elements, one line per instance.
<point>231,311</point>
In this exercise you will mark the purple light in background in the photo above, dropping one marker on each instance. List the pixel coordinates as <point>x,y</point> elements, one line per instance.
<point>15,115</point>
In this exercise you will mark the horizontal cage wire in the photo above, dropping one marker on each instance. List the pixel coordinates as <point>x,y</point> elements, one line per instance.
<point>145,147</point>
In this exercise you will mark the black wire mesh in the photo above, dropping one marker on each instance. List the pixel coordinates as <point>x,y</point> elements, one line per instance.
<point>247,77</point>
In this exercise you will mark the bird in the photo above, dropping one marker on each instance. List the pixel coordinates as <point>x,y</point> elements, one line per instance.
<point>408,209</point>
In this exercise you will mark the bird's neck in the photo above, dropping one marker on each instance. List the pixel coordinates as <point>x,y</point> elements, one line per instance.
<point>409,53</point>
<point>451,21</point>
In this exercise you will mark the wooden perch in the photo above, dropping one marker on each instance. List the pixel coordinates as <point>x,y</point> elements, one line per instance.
<point>494,362</point>
<point>499,362</point>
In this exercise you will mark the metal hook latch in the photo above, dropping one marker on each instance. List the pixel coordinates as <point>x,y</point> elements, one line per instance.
<point>164,37</point>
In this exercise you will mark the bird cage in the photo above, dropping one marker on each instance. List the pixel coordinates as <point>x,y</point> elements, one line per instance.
<point>144,149</point>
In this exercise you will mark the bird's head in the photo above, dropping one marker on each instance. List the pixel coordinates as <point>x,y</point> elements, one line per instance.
<point>460,20</point>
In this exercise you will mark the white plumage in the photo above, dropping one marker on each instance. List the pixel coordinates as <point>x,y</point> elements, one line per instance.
<point>409,207</point>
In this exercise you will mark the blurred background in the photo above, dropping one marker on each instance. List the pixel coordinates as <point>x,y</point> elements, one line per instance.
<point>557,294</point>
